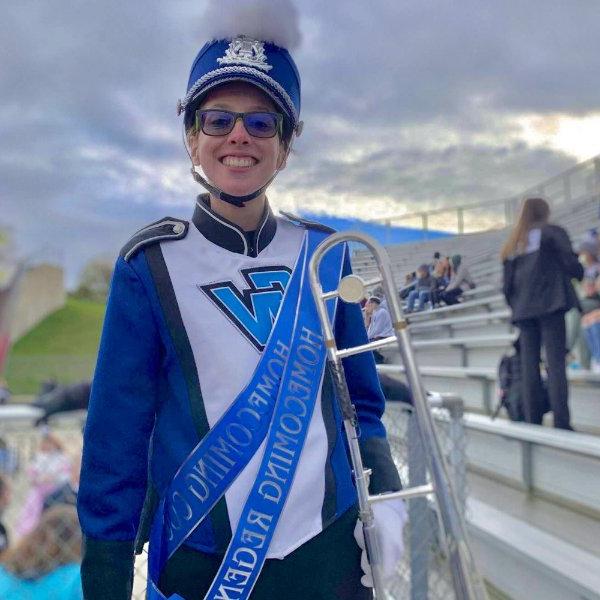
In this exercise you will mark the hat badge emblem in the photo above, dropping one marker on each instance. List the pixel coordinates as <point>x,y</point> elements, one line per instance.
<point>244,50</point>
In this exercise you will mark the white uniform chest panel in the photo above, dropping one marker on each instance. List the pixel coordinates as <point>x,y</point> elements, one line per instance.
<point>224,299</point>
<point>225,356</point>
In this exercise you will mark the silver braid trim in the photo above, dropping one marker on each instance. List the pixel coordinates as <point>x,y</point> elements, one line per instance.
<point>241,70</point>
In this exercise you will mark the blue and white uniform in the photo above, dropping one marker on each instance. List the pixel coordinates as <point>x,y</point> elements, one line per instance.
<point>190,309</point>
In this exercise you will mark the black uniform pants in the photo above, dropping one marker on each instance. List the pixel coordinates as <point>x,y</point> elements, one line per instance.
<point>548,331</point>
<point>324,568</point>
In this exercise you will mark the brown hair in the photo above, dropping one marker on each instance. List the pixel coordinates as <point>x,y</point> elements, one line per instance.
<point>55,541</point>
<point>534,212</point>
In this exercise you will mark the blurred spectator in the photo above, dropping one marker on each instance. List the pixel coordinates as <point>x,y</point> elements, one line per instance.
<point>422,291</point>
<point>63,398</point>
<point>460,279</point>
<point>394,390</point>
<point>44,565</point>
<point>67,492</point>
<point>380,323</point>
<point>588,256</point>
<point>5,394</point>
<point>439,283</point>
<point>436,260</point>
<point>379,293</point>
<point>445,263</point>
<point>591,330</point>
<point>409,283</point>
<point>589,300</point>
<point>9,460</point>
<point>50,468</point>
<point>591,236</point>
<point>5,497</point>
<point>539,264</point>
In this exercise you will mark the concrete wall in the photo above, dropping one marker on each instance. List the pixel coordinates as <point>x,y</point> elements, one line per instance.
<point>40,292</point>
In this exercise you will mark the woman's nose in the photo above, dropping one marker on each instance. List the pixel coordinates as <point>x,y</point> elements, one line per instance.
<point>239,135</point>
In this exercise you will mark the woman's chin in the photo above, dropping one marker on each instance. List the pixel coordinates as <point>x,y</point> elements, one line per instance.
<point>240,188</point>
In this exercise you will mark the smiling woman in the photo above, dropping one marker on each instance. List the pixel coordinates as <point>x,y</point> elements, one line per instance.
<point>213,429</point>
<point>231,154</point>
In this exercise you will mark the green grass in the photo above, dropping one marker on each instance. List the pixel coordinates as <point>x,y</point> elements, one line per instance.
<point>63,347</point>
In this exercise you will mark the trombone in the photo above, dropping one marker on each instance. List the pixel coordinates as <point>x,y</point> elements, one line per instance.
<point>467,583</point>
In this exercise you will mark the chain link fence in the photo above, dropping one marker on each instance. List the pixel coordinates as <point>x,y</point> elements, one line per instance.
<point>423,574</point>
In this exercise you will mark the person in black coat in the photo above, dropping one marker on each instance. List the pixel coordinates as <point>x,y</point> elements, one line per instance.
<point>539,264</point>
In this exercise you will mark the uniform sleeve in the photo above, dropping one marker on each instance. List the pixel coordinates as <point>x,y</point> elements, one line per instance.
<point>367,397</point>
<point>568,259</point>
<point>116,438</point>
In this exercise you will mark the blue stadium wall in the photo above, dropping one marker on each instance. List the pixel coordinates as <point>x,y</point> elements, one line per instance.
<point>384,235</point>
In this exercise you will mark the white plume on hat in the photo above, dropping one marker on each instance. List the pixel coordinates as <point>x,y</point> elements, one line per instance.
<point>274,21</point>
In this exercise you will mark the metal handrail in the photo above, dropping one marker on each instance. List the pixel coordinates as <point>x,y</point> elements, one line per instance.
<point>511,203</point>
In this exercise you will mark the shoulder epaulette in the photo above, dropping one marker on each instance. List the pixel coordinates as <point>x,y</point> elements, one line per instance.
<point>168,228</point>
<point>306,223</point>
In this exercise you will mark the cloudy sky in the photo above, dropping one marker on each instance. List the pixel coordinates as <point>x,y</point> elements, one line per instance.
<point>408,105</point>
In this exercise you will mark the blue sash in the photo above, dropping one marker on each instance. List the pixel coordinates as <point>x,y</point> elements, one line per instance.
<point>270,403</point>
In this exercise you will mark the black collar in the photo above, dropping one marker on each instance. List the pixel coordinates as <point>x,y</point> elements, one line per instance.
<point>228,235</point>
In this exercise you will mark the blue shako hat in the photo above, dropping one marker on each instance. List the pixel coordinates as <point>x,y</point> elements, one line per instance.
<point>243,58</point>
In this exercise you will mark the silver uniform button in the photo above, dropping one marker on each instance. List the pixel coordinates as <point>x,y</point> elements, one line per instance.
<point>178,228</point>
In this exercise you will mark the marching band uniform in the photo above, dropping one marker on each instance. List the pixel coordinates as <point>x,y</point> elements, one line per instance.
<point>190,321</point>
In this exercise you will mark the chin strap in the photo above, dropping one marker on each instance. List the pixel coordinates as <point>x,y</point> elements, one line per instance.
<point>238,201</point>
<point>221,195</point>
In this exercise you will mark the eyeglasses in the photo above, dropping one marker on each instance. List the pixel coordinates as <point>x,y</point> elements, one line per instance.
<point>221,122</point>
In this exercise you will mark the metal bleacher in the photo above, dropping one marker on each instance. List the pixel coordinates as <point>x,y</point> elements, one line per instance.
<point>534,492</point>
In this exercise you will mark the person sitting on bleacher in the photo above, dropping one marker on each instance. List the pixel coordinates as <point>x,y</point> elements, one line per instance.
<point>439,284</point>
<point>436,259</point>
<point>590,323</point>
<point>461,278</point>
<point>409,284</point>
<point>422,291</point>
<point>378,322</point>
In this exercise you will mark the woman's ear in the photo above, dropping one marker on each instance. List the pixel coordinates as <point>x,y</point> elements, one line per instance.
<point>192,141</point>
<point>283,156</point>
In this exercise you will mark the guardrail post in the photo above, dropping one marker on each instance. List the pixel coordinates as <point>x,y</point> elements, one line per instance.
<point>527,465</point>
<point>597,173</point>
<point>418,514</point>
<point>388,231</point>
<point>425,225</point>
<point>487,396</point>
<point>511,206</point>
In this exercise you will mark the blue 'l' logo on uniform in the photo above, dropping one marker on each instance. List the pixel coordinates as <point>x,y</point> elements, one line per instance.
<point>254,309</point>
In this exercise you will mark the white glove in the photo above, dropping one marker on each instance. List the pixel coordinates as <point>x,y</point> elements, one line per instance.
<point>390,518</point>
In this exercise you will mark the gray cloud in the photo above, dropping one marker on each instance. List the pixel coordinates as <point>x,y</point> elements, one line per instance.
<point>410,101</point>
